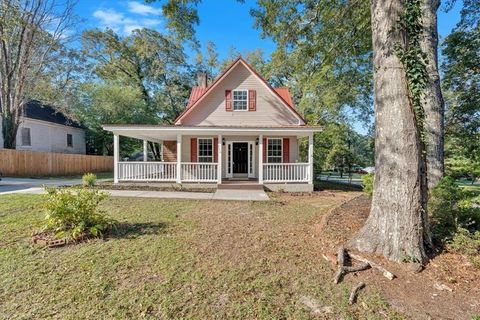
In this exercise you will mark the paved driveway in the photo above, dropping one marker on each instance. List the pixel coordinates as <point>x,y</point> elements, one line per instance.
<point>11,185</point>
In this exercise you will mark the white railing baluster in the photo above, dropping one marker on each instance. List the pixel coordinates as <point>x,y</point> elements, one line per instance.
<point>285,172</point>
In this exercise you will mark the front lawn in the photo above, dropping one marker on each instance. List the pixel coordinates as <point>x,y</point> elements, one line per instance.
<point>180,259</point>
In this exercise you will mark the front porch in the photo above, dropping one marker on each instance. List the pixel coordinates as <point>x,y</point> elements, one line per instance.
<point>218,156</point>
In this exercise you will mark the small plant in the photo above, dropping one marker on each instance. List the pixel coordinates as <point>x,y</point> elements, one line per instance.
<point>367,182</point>
<point>89,179</point>
<point>74,213</point>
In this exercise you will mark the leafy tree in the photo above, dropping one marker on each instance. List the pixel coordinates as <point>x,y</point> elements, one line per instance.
<point>145,73</point>
<point>339,147</point>
<point>31,36</point>
<point>462,85</point>
<point>323,54</point>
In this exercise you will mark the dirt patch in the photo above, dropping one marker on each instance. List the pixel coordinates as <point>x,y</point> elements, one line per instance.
<point>448,287</point>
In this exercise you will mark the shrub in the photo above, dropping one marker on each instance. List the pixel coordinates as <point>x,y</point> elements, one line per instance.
<point>443,206</point>
<point>456,219</point>
<point>89,179</point>
<point>367,182</point>
<point>467,243</point>
<point>74,213</point>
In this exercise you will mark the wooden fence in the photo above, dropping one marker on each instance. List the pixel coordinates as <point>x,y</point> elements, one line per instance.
<point>33,163</point>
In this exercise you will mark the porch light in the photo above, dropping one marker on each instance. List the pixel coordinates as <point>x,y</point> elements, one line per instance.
<point>223,141</point>
<point>256,142</point>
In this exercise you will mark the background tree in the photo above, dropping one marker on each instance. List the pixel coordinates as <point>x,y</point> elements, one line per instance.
<point>461,68</point>
<point>432,98</point>
<point>323,55</point>
<point>31,36</point>
<point>147,64</point>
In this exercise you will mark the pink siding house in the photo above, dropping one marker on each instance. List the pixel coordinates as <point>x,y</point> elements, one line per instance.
<point>237,130</point>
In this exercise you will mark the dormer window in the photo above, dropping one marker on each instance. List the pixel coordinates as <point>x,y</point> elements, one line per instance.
<point>240,100</point>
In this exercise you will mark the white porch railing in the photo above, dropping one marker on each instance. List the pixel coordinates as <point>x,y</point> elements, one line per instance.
<point>147,171</point>
<point>286,172</point>
<point>199,172</point>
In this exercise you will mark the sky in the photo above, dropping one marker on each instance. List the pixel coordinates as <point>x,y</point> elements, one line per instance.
<point>225,22</point>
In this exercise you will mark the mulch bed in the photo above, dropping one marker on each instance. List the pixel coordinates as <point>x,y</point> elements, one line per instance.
<point>448,287</point>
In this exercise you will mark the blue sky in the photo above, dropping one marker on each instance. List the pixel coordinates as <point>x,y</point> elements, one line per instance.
<point>225,22</point>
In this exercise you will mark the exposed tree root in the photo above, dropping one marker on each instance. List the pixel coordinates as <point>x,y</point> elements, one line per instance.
<point>387,274</point>
<point>343,270</point>
<point>342,254</point>
<point>354,293</point>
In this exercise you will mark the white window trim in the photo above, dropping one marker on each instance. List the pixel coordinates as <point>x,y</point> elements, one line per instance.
<point>281,149</point>
<point>71,146</point>
<point>29,138</point>
<point>198,149</point>
<point>233,99</point>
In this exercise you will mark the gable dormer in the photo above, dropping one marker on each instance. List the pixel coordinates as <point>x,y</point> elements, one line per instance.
<point>240,97</point>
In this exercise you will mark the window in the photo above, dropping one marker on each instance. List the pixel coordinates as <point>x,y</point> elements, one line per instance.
<point>274,150</point>
<point>240,100</point>
<point>69,140</point>
<point>205,150</point>
<point>26,138</point>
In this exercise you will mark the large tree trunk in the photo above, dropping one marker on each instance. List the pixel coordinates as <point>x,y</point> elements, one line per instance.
<point>433,100</point>
<point>397,226</point>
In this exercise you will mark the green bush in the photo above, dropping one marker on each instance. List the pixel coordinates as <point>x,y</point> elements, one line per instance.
<point>455,217</point>
<point>467,243</point>
<point>367,182</point>
<point>89,179</point>
<point>74,213</point>
<point>443,207</point>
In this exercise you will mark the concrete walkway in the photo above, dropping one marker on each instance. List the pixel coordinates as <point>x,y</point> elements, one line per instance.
<point>7,187</point>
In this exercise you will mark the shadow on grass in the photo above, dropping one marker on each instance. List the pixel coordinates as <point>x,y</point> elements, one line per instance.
<point>330,185</point>
<point>134,230</point>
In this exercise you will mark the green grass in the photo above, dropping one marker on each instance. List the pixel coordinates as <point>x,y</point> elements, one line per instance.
<point>174,259</point>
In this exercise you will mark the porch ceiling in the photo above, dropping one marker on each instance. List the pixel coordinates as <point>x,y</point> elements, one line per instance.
<point>158,133</point>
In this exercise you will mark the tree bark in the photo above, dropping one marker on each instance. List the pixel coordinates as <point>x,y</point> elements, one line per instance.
<point>433,100</point>
<point>397,226</point>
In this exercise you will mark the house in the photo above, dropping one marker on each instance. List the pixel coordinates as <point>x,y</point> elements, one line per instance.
<point>237,128</point>
<point>43,128</point>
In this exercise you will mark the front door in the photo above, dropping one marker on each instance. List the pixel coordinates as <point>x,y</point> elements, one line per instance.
<point>240,157</point>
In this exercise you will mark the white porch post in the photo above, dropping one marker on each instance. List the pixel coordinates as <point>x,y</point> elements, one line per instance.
<point>219,159</point>
<point>145,150</point>
<point>115,157</point>
<point>310,157</point>
<point>260,159</point>
<point>179,158</point>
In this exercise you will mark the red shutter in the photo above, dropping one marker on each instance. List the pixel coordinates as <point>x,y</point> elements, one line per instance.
<point>264,149</point>
<point>286,150</point>
<point>193,149</point>
<point>228,100</point>
<point>215,149</point>
<point>252,100</point>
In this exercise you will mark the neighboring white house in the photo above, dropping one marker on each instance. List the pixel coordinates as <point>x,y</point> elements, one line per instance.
<point>237,128</point>
<point>43,128</point>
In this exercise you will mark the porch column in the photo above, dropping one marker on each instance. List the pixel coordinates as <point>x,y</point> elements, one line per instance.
<point>310,157</point>
<point>115,157</point>
<point>145,150</point>
<point>179,158</point>
<point>219,159</point>
<point>260,159</point>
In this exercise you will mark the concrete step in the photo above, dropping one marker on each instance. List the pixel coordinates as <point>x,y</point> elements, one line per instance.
<point>240,186</point>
